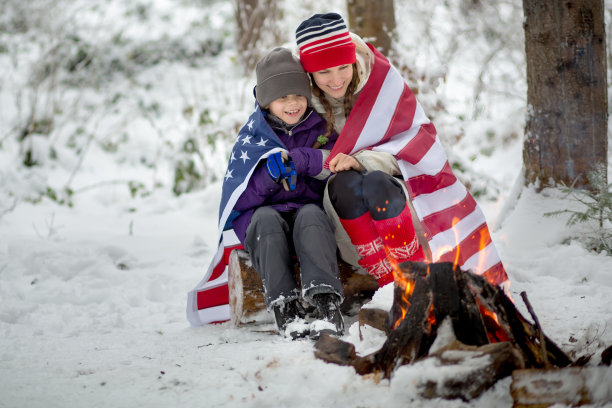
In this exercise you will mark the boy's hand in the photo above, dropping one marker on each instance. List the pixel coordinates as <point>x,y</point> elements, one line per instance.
<point>281,169</point>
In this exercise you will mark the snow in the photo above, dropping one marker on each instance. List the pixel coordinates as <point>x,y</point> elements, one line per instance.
<point>93,295</point>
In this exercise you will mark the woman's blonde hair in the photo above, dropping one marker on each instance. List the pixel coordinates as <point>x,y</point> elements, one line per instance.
<point>349,100</point>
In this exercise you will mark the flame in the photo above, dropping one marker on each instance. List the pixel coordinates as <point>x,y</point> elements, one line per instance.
<point>484,241</point>
<point>431,318</point>
<point>449,248</point>
<point>404,283</point>
<point>494,330</point>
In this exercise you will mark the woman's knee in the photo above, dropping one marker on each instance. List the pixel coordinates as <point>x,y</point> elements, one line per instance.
<point>346,194</point>
<point>383,191</point>
<point>346,183</point>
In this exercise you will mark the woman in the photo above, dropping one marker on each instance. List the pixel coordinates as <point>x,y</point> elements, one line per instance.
<point>387,151</point>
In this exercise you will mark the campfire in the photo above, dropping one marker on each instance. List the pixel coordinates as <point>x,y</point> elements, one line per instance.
<point>431,298</point>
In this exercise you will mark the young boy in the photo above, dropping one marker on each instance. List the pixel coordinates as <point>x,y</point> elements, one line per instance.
<point>280,211</point>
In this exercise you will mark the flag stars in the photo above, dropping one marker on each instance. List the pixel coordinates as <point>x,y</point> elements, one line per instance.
<point>228,175</point>
<point>261,142</point>
<point>246,139</point>
<point>244,156</point>
<point>250,124</point>
<point>232,157</point>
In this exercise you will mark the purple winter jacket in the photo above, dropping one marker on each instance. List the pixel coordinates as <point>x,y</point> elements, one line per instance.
<point>263,191</point>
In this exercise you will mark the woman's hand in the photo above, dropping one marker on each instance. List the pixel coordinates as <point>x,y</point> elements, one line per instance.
<point>344,162</point>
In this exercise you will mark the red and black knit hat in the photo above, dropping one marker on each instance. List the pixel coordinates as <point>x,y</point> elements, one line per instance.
<point>324,42</point>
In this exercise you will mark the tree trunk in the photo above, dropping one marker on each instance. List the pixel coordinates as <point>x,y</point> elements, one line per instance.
<point>566,129</point>
<point>257,29</point>
<point>374,21</point>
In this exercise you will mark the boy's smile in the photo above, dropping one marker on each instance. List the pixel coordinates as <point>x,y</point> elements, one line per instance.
<point>289,108</point>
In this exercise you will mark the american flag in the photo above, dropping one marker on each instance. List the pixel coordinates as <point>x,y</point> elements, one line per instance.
<point>208,302</point>
<point>387,117</point>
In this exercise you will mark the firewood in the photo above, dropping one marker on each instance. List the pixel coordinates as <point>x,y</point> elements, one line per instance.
<point>431,298</point>
<point>336,351</point>
<point>477,369</point>
<point>413,336</point>
<point>537,329</point>
<point>246,297</point>
<point>438,291</point>
<point>505,322</point>
<point>376,318</point>
<point>539,388</point>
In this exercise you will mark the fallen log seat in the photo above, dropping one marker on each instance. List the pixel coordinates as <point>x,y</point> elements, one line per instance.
<point>246,298</point>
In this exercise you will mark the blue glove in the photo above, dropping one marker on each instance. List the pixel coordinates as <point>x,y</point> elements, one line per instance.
<point>282,170</point>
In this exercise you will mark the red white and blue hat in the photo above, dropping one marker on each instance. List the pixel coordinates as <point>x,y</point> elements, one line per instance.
<point>324,42</point>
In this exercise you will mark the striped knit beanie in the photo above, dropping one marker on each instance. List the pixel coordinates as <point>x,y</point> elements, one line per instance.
<point>324,42</point>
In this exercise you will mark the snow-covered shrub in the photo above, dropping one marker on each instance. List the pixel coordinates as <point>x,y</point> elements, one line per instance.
<point>109,78</point>
<point>595,212</point>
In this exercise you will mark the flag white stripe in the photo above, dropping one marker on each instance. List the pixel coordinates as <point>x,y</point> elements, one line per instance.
<point>214,314</point>
<point>198,317</point>
<point>446,241</point>
<point>230,238</point>
<point>482,260</point>
<point>382,111</point>
<point>430,164</point>
<point>239,190</point>
<point>427,204</point>
<point>399,141</point>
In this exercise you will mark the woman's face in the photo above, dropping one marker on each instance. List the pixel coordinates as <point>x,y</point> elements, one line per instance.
<point>334,81</point>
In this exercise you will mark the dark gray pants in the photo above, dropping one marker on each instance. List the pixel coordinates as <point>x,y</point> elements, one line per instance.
<point>272,237</point>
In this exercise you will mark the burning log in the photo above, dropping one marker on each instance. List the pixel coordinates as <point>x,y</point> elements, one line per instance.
<point>423,296</point>
<point>480,315</point>
<point>481,368</point>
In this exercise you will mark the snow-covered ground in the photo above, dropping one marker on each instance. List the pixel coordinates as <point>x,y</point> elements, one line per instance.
<point>93,295</point>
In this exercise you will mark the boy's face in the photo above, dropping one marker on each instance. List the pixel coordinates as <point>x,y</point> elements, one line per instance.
<point>289,108</point>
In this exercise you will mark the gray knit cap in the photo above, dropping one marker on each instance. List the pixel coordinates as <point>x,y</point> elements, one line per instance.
<point>279,73</point>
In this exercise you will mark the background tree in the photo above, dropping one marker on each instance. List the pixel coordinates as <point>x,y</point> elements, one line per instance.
<point>566,129</point>
<point>374,21</point>
<point>253,38</point>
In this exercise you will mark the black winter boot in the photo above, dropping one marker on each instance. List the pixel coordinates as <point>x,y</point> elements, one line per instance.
<point>330,319</point>
<point>290,320</point>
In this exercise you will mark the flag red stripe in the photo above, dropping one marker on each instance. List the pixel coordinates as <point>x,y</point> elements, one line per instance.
<point>496,274</point>
<point>418,147</point>
<point>220,267</point>
<point>213,297</point>
<point>445,219</point>
<point>361,110</point>
<point>426,184</point>
<point>403,116</point>
<point>477,240</point>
